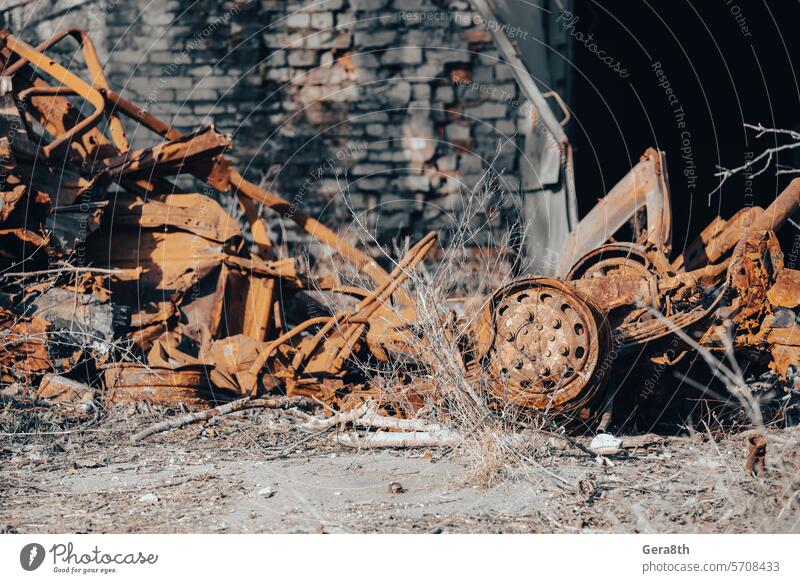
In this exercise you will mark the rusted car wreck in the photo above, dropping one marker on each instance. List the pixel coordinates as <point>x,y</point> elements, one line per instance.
<point>120,286</point>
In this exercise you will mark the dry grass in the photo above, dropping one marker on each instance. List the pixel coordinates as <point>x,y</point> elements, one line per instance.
<point>491,448</point>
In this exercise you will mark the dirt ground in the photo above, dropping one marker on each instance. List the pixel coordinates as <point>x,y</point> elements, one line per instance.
<point>249,473</point>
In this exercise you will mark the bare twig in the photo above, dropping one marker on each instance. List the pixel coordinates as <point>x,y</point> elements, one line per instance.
<point>400,439</point>
<point>70,269</point>
<point>315,424</point>
<point>766,156</point>
<point>246,403</point>
<point>732,381</point>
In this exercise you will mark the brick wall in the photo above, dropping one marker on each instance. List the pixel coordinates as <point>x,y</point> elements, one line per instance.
<point>387,110</point>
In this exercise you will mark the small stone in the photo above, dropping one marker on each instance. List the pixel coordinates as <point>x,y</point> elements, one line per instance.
<point>396,488</point>
<point>487,111</point>
<point>83,464</point>
<point>149,498</point>
<point>457,131</point>
<point>267,492</point>
<point>327,59</point>
<point>445,94</point>
<point>605,444</point>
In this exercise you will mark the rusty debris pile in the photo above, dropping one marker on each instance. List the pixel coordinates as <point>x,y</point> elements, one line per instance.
<point>119,284</point>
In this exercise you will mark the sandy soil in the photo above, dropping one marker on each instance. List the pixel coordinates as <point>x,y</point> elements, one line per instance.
<point>244,474</point>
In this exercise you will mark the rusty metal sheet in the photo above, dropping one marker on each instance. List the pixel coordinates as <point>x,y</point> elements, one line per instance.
<point>785,293</point>
<point>194,213</point>
<point>23,347</point>
<point>756,262</point>
<point>190,385</point>
<point>75,395</point>
<point>717,239</point>
<point>171,157</point>
<point>784,347</point>
<point>231,357</point>
<point>169,262</point>
<point>644,186</point>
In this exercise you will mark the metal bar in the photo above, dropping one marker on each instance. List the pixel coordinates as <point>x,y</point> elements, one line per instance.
<point>64,77</point>
<point>77,131</point>
<point>535,96</point>
<point>521,73</point>
<point>783,207</point>
<point>278,204</point>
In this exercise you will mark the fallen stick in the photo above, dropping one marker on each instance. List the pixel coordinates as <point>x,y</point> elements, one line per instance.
<point>376,421</point>
<point>315,424</point>
<point>634,441</point>
<point>25,402</point>
<point>70,269</point>
<point>400,439</point>
<point>246,403</point>
<point>367,417</point>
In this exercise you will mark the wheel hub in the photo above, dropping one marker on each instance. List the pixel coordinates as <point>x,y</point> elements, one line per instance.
<point>546,342</point>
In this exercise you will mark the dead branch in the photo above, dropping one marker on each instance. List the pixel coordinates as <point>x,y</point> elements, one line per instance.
<point>636,441</point>
<point>315,424</point>
<point>246,403</point>
<point>373,420</point>
<point>400,439</point>
<point>66,268</point>
<point>765,157</point>
<point>366,416</point>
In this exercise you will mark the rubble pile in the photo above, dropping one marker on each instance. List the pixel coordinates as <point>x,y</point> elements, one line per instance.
<point>121,284</point>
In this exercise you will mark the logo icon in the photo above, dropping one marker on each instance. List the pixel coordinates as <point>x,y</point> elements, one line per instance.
<point>31,556</point>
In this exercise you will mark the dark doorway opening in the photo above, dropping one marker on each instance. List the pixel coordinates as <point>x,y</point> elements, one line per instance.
<point>726,63</point>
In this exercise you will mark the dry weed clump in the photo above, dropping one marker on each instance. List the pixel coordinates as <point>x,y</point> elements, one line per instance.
<point>492,442</point>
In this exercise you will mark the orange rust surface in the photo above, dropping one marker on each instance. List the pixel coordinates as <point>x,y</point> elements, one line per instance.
<point>202,300</point>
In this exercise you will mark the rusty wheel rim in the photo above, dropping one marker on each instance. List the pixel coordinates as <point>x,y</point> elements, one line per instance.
<point>546,344</point>
<point>628,258</point>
